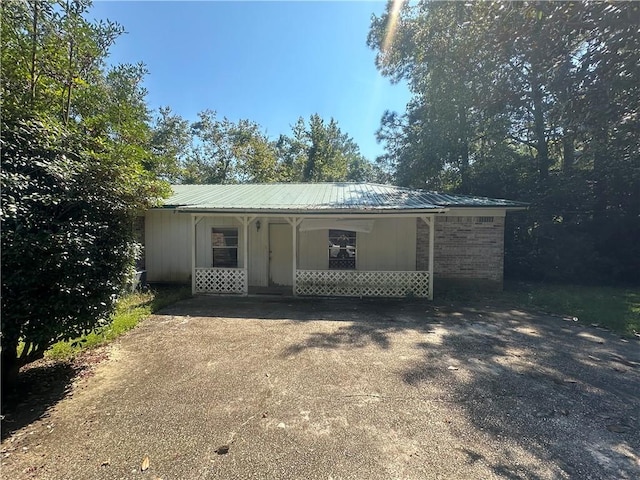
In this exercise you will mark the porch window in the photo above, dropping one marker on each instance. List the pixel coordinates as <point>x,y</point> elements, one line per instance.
<point>225,247</point>
<point>342,250</point>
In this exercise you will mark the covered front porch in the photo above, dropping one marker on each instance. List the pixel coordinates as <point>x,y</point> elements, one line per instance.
<point>302,255</point>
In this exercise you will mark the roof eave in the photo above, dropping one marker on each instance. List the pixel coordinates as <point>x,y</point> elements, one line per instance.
<point>339,211</point>
<point>480,207</point>
<point>310,212</point>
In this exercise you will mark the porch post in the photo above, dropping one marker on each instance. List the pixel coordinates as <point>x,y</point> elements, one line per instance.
<point>245,221</point>
<point>193,254</point>
<point>294,222</point>
<point>432,237</point>
<point>294,229</point>
<point>245,226</point>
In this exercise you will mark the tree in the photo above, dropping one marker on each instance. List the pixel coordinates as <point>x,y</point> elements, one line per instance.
<point>223,151</point>
<point>170,143</point>
<point>75,142</point>
<point>437,120</point>
<point>67,242</point>
<point>321,152</point>
<point>544,91</point>
<point>257,156</point>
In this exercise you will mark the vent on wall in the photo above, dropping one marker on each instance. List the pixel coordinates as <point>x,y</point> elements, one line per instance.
<point>484,219</point>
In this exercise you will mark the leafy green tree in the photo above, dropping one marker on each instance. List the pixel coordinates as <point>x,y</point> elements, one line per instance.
<point>67,242</point>
<point>211,160</point>
<point>542,95</point>
<point>223,151</point>
<point>75,142</point>
<point>437,122</point>
<point>359,169</point>
<point>257,156</point>
<point>171,141</point>
<point>320,152</point>
<point>291,151</point>
<point>50,53</point>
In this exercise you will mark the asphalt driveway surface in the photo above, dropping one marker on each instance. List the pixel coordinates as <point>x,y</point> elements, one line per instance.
<point>344,389</point>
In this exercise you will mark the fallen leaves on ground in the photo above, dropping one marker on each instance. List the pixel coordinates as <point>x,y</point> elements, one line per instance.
<point>222,450</point>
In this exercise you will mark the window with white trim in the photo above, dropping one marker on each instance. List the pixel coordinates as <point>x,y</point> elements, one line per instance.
<point>342,250</point>
<point>224,242</point>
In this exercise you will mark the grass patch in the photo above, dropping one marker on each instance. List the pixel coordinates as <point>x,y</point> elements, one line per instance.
<point>616,308</point>
<point>130,310</point>
<point>612,307</point>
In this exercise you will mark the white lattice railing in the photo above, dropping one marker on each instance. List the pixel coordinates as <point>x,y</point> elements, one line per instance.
<point>220,280</point>
<point>354,283</point>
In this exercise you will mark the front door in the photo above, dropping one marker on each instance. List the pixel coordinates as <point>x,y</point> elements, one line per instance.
<point>280,254</point>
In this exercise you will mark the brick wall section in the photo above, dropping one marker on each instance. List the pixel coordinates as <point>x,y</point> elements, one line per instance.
<point>467,250</point>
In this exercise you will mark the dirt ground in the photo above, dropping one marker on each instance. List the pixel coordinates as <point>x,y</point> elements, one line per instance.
<point>281,388</point>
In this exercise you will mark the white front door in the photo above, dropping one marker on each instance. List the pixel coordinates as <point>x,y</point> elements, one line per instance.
<point>280,254</point>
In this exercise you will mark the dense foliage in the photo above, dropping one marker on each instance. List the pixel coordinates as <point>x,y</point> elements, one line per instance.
<point>213,150</point>
<point>74,144</point>
<point>534,101</point>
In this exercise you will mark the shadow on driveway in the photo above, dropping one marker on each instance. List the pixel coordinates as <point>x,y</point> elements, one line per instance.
<point>319,388</point>
<point>36,390</point>
<point>565,393</point>
<point>301,309</point>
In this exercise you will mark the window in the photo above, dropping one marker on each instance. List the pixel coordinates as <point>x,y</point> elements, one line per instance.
<point>225,247</point>
<point>342,249</point>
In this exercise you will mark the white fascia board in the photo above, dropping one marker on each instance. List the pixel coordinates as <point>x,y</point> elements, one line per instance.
<point>311,214</point>
<point>476,212</point>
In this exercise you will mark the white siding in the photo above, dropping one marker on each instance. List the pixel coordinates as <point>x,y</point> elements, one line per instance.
<point>204,252</point>
<point>391,246</point>
<point>167,246</point>
<point>313,251</point>
<point>259,253</point>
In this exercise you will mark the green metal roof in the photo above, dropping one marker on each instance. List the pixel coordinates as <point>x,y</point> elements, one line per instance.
<point>321,198</point>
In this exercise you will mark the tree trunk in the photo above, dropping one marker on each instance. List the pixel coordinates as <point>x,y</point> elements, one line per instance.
<point>599,142</point>
<point>538,129</point>
<point>464,144</point>
<point>10,365</point>
<point>568,152</point>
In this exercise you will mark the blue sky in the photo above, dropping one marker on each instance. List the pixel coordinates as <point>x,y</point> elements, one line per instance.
<point>270,62</point>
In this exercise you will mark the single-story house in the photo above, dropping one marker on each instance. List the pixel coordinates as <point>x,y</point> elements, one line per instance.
<point>327,239</point>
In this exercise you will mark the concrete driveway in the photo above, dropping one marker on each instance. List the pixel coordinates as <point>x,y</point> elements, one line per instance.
<point>335,389</point>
